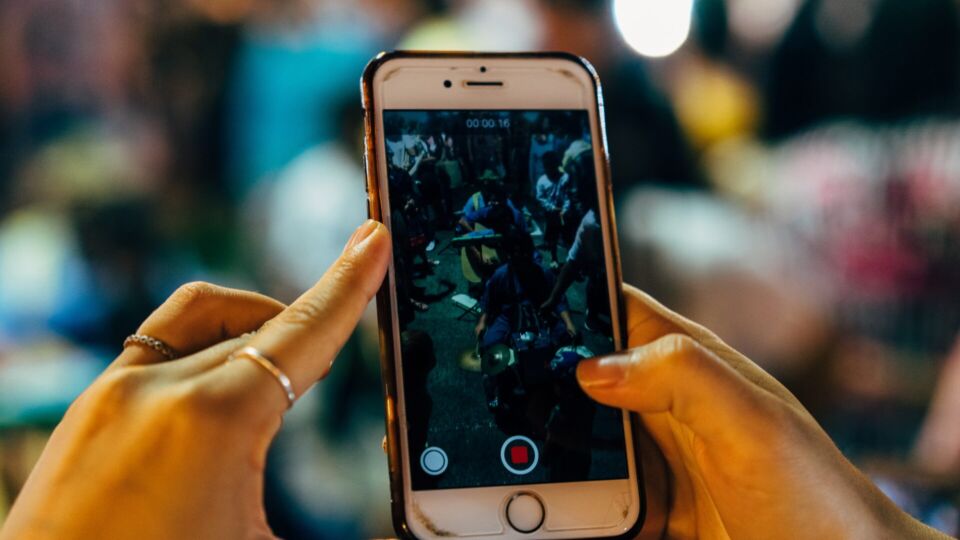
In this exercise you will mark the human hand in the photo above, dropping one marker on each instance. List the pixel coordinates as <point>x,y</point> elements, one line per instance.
<point>568,324</point>
<point>747,460</point>
<point>548,304</point>
<point>177,449</point>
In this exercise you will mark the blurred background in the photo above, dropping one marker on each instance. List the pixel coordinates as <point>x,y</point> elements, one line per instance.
<point>787,172</point>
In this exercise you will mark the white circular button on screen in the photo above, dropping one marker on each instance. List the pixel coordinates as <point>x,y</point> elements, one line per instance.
<point>433,461</point>
<point>525,512</point>
<point>519,455</point>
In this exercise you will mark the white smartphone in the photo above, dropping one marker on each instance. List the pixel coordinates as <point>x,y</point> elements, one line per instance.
<point>491,172</point>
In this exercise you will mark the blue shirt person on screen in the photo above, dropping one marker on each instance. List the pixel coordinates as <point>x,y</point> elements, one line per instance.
<point>513,294</point>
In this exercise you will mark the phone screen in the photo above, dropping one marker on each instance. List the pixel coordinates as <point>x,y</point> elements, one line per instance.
<point>501,290</point>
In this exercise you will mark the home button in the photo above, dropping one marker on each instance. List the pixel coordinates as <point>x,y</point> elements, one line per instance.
<point>525,512</point>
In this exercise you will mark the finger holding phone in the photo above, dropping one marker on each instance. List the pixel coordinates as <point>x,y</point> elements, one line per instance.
<point>747,459</point>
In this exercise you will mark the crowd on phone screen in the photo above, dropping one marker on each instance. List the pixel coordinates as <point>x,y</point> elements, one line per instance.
<point>520,205</point>
<point>442,179</point>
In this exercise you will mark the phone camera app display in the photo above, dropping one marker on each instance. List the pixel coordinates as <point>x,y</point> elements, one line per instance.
<point>433,461</point>
<point>519,455</point>
<point>501,291</point>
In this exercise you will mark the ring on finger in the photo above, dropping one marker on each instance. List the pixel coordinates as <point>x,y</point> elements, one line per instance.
<point>251,353</point>
<point>151,343</point>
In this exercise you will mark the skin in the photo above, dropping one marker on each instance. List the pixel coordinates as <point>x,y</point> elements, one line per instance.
<point>176,449</point>
<point>568,273</point>
<point>747,460</point>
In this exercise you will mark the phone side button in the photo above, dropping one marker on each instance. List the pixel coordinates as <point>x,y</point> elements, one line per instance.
<point>525,512</point>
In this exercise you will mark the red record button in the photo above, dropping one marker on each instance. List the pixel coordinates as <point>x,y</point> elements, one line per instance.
<point>519,455</point>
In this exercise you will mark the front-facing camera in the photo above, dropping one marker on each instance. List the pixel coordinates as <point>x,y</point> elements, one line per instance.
<point>447,84</point>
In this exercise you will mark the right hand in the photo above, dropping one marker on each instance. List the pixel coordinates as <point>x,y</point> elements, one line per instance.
<point>747,460</point>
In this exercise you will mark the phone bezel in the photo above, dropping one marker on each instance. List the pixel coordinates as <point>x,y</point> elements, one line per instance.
<point>411,508</point>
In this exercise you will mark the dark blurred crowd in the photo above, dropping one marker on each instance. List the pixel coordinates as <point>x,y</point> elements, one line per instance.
<point>789,177</point>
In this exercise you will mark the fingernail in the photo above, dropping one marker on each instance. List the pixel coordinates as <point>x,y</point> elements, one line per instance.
<point>600,373</point>
<point>361,234</point>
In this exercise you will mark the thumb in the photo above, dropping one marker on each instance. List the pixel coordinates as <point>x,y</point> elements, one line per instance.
<point>674,374</point>
<point>303,339</point>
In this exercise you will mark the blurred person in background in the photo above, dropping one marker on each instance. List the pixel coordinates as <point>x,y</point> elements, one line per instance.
<point>295,59</point>
<point>879,60</point>
<point>644,137</point>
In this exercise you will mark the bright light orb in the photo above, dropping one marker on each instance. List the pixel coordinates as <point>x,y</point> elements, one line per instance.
<point>654,28</point>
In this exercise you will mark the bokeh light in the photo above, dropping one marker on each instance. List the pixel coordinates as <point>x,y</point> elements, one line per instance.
<point>653,28</point>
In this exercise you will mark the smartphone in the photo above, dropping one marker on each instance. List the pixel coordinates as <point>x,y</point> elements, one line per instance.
<point>490,170</point>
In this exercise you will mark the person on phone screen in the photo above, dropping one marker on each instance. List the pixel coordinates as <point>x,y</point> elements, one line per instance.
<point>491,207</point>
<point>554,201</point>
<point>171,440</point>
<point>512,296</point>
<point>585,259</point>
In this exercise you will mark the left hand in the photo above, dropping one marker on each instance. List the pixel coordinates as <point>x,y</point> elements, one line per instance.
<point>177,449</point>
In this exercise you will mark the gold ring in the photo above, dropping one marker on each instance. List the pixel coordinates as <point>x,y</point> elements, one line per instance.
<point>251,353</point>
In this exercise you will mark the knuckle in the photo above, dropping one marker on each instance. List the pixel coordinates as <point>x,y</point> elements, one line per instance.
<point>183,397</point>
<point>120,384</point>
<point>114,392</point>
<point>347,263</point>
<point>304,312</point>
<point>683,350</point>
<point>190,294</point>
<point>187,402</point>
<point>349,275</point>
<point>678,344</point>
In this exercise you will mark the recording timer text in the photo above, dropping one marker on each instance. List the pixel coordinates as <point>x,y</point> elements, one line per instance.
<point>487,123</point>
